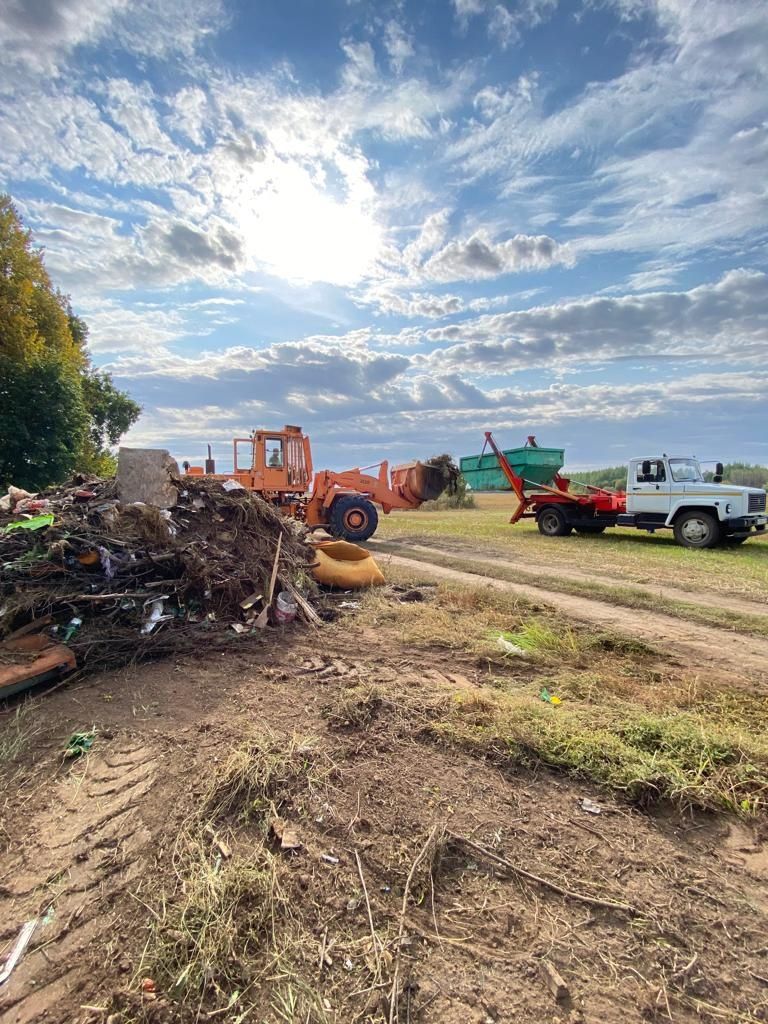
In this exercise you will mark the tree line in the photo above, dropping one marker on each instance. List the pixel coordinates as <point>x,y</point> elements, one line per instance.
<point>741,474</point>
<point>58,414</point>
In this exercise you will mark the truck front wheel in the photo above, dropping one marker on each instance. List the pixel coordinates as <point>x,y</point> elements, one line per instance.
<point>353,518</point>
<point>552,522</point>
<point>697,530</point>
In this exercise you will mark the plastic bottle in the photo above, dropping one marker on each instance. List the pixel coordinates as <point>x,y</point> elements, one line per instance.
<point>285,608</point>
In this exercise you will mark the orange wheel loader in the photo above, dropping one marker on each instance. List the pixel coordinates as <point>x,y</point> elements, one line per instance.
<point>277,465</point>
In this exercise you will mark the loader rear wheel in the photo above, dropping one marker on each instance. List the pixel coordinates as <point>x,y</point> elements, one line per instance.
<point>552,522</point>
<point>353,518</point>
<point>696,529</point>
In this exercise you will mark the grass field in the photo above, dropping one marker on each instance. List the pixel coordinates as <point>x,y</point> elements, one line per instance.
<point>621,719</point>
<point>627,556</point>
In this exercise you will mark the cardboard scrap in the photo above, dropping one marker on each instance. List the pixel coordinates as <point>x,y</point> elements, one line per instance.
<point>287,834</point>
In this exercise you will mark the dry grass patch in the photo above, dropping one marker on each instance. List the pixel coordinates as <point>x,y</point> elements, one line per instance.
<point>624,721</point>
<point>19,726</point>
<point>454,617</point>
<point>225,936</point>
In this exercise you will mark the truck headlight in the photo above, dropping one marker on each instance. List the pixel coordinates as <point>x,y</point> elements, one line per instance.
<point>728,508</point>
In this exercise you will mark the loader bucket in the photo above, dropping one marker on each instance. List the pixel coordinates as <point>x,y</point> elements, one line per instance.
<point>425,481</point>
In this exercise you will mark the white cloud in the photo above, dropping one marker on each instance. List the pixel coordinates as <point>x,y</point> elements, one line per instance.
<point>655,274</point>
<point>479,257</point>
<point>280,168</point>
<point>727,320</point>
<point>36,34</point>
<point>116,327</point>
<point>394,407</point>
<point>423,304</point>
<point>431,234</point>
<point>190,114</point>
<point>505,18</point>
<point>669,153</point>
<point>41,35</point>
<point>398,44</point>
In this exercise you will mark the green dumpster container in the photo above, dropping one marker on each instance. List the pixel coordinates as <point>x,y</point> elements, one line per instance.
<point>537,465</point>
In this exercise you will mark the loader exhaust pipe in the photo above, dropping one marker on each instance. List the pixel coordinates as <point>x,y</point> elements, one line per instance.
<point>210,462</point>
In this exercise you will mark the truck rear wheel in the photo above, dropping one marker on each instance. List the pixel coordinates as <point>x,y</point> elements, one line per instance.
<point>590,528</point>
<point>696,529</point>
<point>353,519</point>
<point>552,522</point>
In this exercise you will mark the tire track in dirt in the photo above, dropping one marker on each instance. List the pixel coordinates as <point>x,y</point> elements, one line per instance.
<point>743,606</point>
<point>734,657</point>
<point>80,852</point>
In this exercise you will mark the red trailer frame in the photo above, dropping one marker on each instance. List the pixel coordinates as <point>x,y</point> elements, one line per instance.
<point>599,501</point>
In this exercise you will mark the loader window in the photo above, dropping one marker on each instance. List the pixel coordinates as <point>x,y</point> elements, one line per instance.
<point>656,474</point>
<point>273,457</point>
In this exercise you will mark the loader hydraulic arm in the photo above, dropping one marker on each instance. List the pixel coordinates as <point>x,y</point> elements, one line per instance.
<point>329,484</point>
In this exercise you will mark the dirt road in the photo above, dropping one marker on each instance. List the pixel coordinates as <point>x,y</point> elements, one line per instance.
<point>727,656</point>
<point>743,606</point>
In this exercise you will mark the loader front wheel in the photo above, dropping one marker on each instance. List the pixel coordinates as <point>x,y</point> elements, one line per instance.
<point>552,522</point>
<point>353,519</point>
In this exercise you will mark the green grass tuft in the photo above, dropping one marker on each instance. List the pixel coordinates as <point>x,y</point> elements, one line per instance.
<point>684,757</point>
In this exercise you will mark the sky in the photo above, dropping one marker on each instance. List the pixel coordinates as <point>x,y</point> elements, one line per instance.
<point>400,224</point>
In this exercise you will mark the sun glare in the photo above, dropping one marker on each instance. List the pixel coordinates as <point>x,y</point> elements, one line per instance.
<point>298,230</point>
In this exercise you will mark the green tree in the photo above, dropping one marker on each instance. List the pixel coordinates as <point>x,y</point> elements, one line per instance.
<point>42,420</point>
<point>612,476</point>
<point>743,474</point>
<point>57,414</point>
<point>111,412</point>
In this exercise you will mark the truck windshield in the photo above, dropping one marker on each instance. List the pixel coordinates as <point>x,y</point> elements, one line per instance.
<point>685,471</point>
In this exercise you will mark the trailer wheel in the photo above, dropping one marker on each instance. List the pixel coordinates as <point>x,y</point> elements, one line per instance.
<point>697,530</point>
<point>552,522</point>
<point>353,518</point>
<point>590,528</point>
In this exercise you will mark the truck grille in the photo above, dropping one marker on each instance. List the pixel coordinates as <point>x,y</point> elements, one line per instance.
<point>757,502</point>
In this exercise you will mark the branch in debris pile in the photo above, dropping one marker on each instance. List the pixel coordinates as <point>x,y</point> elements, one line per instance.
<point>592,901</point>
<point>102,597</point>
<point>309,612</point>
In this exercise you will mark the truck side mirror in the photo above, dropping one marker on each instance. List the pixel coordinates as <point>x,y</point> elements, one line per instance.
<point>718,477</point>
<point>646,467</point>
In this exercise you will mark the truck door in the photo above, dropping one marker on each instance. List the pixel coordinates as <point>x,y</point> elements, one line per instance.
<point>649,492</point>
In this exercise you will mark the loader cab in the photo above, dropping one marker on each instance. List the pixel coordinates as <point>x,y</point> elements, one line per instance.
<point>279,461</point>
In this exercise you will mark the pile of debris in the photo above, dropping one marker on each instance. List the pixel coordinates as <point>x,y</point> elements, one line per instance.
<point>115,582</point>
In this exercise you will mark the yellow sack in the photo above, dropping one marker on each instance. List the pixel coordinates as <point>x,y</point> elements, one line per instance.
<point>345,565</point>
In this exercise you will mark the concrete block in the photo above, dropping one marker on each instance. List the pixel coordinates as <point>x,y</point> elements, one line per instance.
<point>145,474</point>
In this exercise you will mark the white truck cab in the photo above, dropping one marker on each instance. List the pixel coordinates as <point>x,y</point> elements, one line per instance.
<point>666,492</point>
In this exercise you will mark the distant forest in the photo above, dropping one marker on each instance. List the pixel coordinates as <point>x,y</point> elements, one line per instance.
<point>742,474</point>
